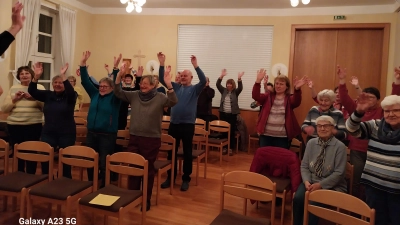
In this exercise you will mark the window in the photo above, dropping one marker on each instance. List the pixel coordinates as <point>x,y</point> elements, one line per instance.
<point>44,51</point>
<point>235,48</point>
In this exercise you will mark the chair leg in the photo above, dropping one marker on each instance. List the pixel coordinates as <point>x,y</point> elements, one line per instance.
<point>78,214</point>
<point>28,207</point>
<point>220,156</point>
<point>197,171</point>
<point>158,186</point>
<point>283,207</point>
<point>68,209</point>
<point>14,204</point>
<point>58,211</point>
<point>205,166</point>
<point>22,204</point>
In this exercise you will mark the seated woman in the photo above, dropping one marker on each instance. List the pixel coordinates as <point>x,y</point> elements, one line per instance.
<point>146,117</point>
<point>381,175</point>
<point>102,117</point>
<point>59,128</point>
<point>323,167</point>
<point>326,98</point>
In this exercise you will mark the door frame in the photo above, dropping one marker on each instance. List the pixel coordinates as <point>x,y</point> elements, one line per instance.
<point>385,46</point>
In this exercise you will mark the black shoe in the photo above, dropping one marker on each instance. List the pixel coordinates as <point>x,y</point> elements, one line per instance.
<point>166,184</point>
<point>148,205</point>
<point>185,186</point>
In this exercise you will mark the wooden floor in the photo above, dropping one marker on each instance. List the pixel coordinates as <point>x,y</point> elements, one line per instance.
<point>198,206</point>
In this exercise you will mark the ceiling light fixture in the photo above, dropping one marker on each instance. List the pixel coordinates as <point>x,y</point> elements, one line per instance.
<point>132,4</point>
<point>295,3</point>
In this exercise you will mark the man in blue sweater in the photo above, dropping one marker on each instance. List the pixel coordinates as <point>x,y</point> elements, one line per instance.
<point>183,116</point>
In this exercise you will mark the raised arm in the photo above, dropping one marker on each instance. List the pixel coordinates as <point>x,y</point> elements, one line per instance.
<point>171,96</point>
<point>118,92</point>
<point>138,78</point>
<point>295,99</point>
<point>396,83</point>
<point>7,37</point>
<point>202,77</point>
<point>240,84</point>
<point>310,84</point>
<point>355,83</point>
<point>69,90</point>
<point>354,126</point>
<point>161,70</point>
<point>85,80</point>
<point>256,93</point>
<point>345,99</point>
<point>39,95</point>
<point>220,88</point>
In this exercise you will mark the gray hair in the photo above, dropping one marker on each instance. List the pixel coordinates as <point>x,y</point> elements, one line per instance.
<point>390,100</point>
<point>108,81</point>
<point>327,119</point>
<point>56,77</point>
<point>327,93</point>
<point>151,79</point>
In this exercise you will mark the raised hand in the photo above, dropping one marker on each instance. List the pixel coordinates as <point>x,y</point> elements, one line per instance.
<point>310,84</point>
<point>309,130</point>
<point>223,73</point>
<point>354,81</point>
<point>363,103</point>
<point>266,80</point>
<point>240,75</point>
<point>341,73</point>
<point>193,59</point>
<point>78,72</point>
<point>161,58</point>
<point>167,70</point>
<point>122,67</point>
<point>85,57</point>
<point>397,75</point>
<point>261,75</point>
<point>139,71</point>
<point>300,82</point>
<point>16,17</point>
<point>38,69</point>
<point>167,76</point>
<point>64,69</point>
<point>117,60</point>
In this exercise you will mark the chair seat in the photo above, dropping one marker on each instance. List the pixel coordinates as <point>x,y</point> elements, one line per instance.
<point>231,218</point>
<point>159,164</point>
<point>68,186</point>
<point>281,183</point>
<point>217,141</point>
<point>255,135</point>
<point>195,153</point>
<point>14,182</point>
<point>126,197</point>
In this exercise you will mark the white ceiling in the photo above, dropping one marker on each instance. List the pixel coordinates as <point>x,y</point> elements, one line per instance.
<point>236,4</point>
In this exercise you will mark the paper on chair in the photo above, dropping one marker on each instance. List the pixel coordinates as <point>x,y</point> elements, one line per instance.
<point>105,200</point>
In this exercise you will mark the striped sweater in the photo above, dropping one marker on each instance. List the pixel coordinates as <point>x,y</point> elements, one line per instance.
<point>382,168</point>
<point>23,112</point>
<point>337,116</point>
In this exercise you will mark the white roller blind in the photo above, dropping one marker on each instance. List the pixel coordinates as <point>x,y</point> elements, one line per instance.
<point>236,48</point>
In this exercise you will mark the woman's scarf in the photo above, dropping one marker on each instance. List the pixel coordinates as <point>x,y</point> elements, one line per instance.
<point>387,134</point>
<point>147,96</point>
<point>319,163</point>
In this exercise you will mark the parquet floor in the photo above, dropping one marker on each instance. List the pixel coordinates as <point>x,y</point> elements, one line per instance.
<point>198,206</point>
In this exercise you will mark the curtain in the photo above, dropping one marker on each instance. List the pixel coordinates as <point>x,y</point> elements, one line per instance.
<point>26,38</point>
<point>67,28</point>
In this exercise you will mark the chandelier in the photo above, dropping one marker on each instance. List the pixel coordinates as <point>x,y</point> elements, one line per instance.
<point>132,4</point>
<point>295,3</point>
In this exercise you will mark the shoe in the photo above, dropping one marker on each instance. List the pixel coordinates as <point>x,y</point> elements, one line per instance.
<point>148,205</point>
<point>230,152</point>
<point>166,184</point>
<point>185,186</point>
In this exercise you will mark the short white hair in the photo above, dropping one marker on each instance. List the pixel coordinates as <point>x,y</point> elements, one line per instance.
<point>327,119</point>
<point>327,93</point>
<point>390,100</point>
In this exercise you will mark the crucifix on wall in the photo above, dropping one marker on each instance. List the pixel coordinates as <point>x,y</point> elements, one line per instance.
<point>139,56</point>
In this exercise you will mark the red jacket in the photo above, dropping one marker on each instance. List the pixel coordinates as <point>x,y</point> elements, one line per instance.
<point>266,100</point>
<point>277,162</point>
<point>350,105</point>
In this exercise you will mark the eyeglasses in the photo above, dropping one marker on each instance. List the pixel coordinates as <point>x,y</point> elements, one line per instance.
<point>394,111</point>
<point>105,87</point>
<point>325,126</point>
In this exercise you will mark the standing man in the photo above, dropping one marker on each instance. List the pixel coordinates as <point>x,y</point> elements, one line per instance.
<point>183,116</point>
<point>204,103</point>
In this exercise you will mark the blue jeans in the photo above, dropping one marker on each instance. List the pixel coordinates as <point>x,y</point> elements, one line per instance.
<point>102,143</point>
<point>62,141</point>
<point>298,208</point>
<point>386,205</point>
<point>281,142</point>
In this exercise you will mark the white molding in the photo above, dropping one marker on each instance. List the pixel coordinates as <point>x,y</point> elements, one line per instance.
<point>304,11</point>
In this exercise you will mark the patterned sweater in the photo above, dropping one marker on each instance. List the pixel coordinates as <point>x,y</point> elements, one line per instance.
<point>382,168</point>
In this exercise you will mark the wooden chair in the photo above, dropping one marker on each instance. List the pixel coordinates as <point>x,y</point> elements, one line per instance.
<point>166,119</point>
<point>348,154</point>
<point>123,138</point>
<point>65,191</point>
<point>252,137</point>
<point>162,166</point>
<point>122,163</point>
<point>4,153</point>
<point>296,146</point>
<point>350,177</point>
<point>17,184</point>
<point>200,123</point>
<point>81,133</point>
<point>230,184</point>
<point>220,127</point>
<point>337,200</point>
<point>200,138</point>
<point>80,114</point>
<point>80,121</point>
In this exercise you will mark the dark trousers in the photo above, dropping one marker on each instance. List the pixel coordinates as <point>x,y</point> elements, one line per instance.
<point>185,133</point>
<point>148,148</point>
<point>357,159</point>
<point>102,143</point>
<point>231,119</point>
<point>386,205</point>
<point>206,118</point>
<point>298,208</point>
<point>22,133</point>
<point>62,141</point>
<point>281,142</point>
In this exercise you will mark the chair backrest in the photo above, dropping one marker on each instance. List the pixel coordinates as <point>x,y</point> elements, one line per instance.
<point>168,144</point>
<point>123,138</point>
<point>164,127</point>
<point>200,136</point>
<point>200,123</point>
<point>36,151</point>
<point>166,119</point>
<point>79,156</point>
<point>338,200</point>
<point>81,114</point>
<point>219,126</point>
<point>80,121</point>
<point>81,133</point>
<point>349,176</point>
<point>253,186</point>
<point>4,153</point>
